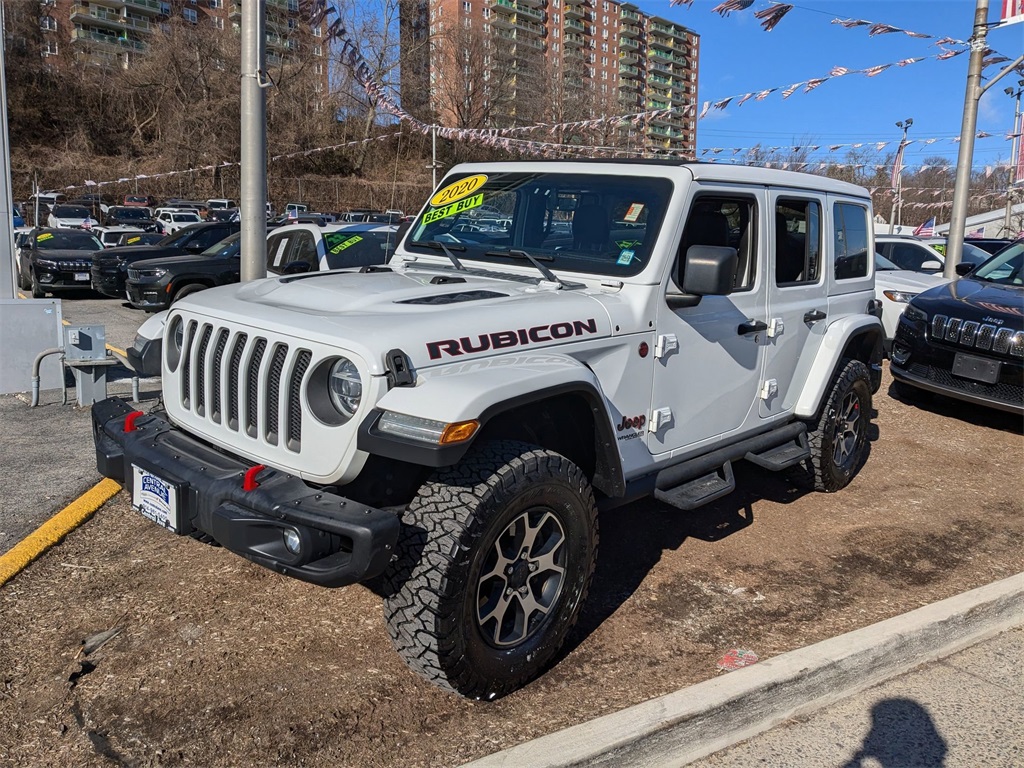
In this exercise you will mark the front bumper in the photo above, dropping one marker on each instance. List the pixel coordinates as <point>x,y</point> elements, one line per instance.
<point>109,283</point>
<point>151,296</point>
<point>919,361</point>
<point>343,541</point>
<point>58,279</point>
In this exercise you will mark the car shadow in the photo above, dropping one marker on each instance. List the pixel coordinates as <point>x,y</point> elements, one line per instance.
<point>978,415</point>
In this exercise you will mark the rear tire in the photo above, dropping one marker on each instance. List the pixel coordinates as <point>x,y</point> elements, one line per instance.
<point>493,565</point>
<point>838,437</point>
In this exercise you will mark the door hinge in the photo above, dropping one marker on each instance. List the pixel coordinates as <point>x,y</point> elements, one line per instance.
<point>776,327</point>
<point>660,417</point>
<point>665,344</point>
<point>769,389</point>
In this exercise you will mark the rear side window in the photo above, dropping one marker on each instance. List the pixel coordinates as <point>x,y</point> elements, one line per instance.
<point>304,250</point>
<point>851,241</point>
<point>358,249</point>
<point>797,242</point>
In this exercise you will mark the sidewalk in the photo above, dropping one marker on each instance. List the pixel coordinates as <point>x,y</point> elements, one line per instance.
<point>964,711</point>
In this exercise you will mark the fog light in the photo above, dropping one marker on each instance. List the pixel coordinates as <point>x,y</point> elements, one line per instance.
<point>292,542</point>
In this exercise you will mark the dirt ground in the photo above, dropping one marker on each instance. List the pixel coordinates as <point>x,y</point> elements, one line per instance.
<point>219,662</point>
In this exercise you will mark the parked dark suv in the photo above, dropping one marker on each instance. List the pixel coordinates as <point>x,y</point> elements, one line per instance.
<point>56,259</point>
<point>110,268</point>
<point>130,215</point>
<point>154,284</point>
<point>965,339</point>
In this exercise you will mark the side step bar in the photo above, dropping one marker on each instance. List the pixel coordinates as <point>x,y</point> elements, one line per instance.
<point>705,478</point>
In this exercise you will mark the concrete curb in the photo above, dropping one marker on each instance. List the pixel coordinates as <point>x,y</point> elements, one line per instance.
<point>694,722</point>
<point>56,528</point>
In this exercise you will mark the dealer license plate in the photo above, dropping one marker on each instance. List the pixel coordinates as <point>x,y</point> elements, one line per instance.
<point>976,368</point>
<point>155,498</point>
<point>81,276</point>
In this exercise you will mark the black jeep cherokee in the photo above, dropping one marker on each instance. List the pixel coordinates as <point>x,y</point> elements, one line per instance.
<point>965,339</point>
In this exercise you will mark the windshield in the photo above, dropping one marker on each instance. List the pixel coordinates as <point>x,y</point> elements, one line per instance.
<point>67,241</point>
<point>71,212</point>
<point>229,246</point>
<point>596,224</point>
<point>357,249</point>
<point>1004,268</point>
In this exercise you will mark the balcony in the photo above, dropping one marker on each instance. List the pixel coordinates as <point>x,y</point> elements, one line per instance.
<point>149,7</point>
<point>630,15</point>
<point>503,7</point>
<point>630,30</point>
<point>502,19</point>
<point>630,86</point>
<point>659,42</point>
<point>575,24</point>
<point>574,9</point>
<point>531,13</point>
<point>628,43</point>
<point>139,25</point>
<point>573,39</point>
<point>110,42</point>
<point>530,26</point>
<point>625,70</point>
<point>540,45</point>
<point>533,3</point>
<point>98,16</point>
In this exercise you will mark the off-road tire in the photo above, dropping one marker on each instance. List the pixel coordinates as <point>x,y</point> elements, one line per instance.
<point>462,549</point>
<point>35,287</point>
<point>188,290</point>
<point>838,437</point>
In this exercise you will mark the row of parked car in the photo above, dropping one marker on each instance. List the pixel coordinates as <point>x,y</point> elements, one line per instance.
<point>152,275</point>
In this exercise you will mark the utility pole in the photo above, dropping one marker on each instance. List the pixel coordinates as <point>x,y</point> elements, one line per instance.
<point>897,204</point>
<point>974,92</point>
<point>252,198</point>
<point>1015,156</point>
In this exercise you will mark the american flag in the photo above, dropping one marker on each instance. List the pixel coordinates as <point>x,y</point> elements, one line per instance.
<point>979,232</point>
<point>927,229</point>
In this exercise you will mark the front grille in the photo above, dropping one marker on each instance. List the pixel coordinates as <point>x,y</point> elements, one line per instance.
<point>75,265</point>
<point>967,333</point>
<point>238,381</point>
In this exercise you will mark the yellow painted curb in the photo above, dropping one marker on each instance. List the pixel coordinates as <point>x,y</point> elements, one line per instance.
<point>55,529</point>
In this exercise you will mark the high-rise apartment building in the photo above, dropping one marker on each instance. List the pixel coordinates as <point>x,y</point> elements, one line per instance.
<point>545,60</point>
<point>114,32</point>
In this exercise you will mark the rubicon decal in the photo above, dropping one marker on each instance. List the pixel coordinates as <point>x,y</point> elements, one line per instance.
<point>539,334</point>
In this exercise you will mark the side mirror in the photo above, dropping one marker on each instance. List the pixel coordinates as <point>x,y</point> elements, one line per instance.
<point>295,268</point>
<point>964,268</point>
<point>708,270</point>
<point>931,266</point>
<point>194,248</point>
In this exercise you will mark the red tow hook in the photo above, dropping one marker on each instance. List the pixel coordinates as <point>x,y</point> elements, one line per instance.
<point>130,419</point>
<point>249,482</point>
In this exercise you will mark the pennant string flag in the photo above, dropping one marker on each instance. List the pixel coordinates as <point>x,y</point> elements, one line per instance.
<point>772,15</point>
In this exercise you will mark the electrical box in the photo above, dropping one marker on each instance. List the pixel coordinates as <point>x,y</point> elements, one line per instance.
<point>85,342</point>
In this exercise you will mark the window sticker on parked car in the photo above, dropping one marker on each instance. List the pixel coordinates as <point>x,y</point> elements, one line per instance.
<point>450,210</point>
<point>458,190</point>
<point>44,236</point>
<point>634,212</point>
<point>133,240</point>
<point>624,244</point>
<point>336,249</point>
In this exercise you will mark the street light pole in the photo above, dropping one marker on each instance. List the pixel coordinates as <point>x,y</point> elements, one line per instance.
<point>1015,149</point>
<point>897,216</point>
<point>973,93</point>
<point>252,196</point>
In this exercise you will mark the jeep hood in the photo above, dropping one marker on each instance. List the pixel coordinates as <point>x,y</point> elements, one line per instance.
<point>976,300</point>
<point>371,313</point>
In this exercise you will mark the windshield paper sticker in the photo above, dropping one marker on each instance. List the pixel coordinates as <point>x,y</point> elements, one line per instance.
<point>450,210</point>
<point>346,244</point>
<point>634,212</point>
<point>133,240</point>
<point>625,257</point>
<point>44,236</point>
<point>458,190</point>
<point>624,244</point>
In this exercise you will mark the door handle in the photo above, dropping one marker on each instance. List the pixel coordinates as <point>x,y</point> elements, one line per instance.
<point>752,326</point>
<point>814,316</point>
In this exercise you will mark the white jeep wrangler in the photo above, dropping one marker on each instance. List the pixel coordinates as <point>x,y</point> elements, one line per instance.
<point>447,426</point>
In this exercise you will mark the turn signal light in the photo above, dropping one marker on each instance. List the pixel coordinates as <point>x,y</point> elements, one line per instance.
<point>459,431</point>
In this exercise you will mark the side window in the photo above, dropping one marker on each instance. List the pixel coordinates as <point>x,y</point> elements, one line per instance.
<point>723,221</point>
<point>208,237</point>
<point>797,242</point>
<point>851,241</point>
<point>304,250</point>
<point>277,247</point>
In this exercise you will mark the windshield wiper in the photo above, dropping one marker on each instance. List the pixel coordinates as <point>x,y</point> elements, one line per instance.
<point>514,253</point>
<point>439,246</point>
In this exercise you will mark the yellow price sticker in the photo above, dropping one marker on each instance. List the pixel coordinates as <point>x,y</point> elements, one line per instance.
<point>458,190</point>
<point>133,240</point>
<point>450,210</point>
<point>44,236</point>
<point>346,244</point>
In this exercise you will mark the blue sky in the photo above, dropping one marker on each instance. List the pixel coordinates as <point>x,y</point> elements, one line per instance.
<point>738,56</point>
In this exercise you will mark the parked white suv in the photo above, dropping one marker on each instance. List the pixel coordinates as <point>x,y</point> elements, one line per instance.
<point>173,219</point>
<point>447,426</point>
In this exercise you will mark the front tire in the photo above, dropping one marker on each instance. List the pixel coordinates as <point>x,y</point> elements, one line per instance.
<point>37,289</point>
<point>838,438</point>
<point>494,563</point>
<point>188,290</point>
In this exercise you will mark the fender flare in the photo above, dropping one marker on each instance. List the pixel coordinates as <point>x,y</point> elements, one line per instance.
<point>838,338</point>
<point>482,390</point>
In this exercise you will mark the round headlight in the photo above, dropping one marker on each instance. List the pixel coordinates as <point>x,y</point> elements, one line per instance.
<point>176,340</point>
<point>345,387</point>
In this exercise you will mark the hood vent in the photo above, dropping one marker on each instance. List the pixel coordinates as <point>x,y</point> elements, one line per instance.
<point>455,298</point>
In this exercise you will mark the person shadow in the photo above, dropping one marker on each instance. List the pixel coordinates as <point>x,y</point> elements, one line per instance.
<point>902,735</point>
